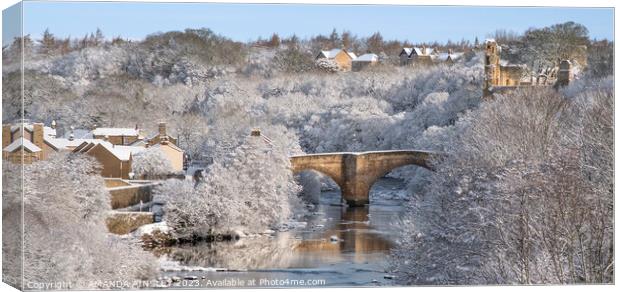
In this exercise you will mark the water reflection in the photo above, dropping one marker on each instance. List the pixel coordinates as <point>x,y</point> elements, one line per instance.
<point>333,235</point>
<point>246,253</point>
<point>350,233</point>
<point>344,247</point>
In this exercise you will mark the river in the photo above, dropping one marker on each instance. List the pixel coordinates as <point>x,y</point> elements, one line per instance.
<point>336,247</point>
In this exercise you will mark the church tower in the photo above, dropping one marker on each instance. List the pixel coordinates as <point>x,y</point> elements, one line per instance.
<point>491,66</point>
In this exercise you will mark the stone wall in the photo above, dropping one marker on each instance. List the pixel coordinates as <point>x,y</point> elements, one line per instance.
<point>115,182</point>
<point>125,196</point>
<point>126,222</point>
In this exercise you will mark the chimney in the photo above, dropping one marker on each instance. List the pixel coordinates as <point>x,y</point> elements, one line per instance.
<point>6,135</point>
<point>37,134</point>
<point>162,129</point>
<point>255,132</point>
<point>53,125</point>
<point>71,137</point>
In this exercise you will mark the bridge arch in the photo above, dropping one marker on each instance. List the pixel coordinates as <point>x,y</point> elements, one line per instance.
<point>327,164</point>
<point>312,186</point>
<point>355,173</point>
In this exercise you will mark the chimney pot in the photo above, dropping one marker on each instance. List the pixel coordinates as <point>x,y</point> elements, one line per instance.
<point>255,132</point>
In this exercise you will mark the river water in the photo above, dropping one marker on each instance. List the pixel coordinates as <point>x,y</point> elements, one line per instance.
<point>336,247</point>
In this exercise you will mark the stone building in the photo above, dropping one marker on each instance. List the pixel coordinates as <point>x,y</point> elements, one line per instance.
<point>512,75</point>
<point>115,160</point>
<point>118,136</point>
<point>364,61</point>
<point>173,153</point>
<point>418,56</point>
<point>21,151</point>
<point>564,75</point>
<point>405,56</point>
<point>500,77</point>
<point>423,55</point>
<point>448,58</point>
<point>491,66</point>
<point>342,58</point>
<point>162,135</point>
<point>32,141</point>
<point>167,144</point>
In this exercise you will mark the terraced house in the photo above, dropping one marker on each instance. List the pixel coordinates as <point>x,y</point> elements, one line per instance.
<point>28,142</point>
<point>114,148</point>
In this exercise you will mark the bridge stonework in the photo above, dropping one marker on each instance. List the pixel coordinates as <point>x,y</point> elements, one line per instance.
<point>356,172</point>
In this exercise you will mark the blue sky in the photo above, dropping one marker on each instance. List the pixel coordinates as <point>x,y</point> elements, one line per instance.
<point>244,22</point>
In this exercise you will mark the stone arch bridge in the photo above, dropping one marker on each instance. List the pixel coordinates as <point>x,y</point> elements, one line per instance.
<point>356,172</point>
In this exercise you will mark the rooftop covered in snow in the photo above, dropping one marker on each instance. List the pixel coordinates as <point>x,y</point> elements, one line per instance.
<point>367,58</point>
<point>21,142</point>
<point>330,54</point>
<point>116,132</point>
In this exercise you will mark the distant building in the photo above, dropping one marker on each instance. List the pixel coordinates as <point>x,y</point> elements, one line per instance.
<point>364,61</point>
<point>513,75</point>
<point>449,57</point>
<point>117,136</point>
<point>565,74</point>
<point>115,160</point>
<point>162,135</point>
<point>33,141</point>
<point>21,151</point>
<point>116,148</point>
<point>342,58</point>
<point>405,56</point>
<point>425,56</point>
<point>173,153</point>
<point>502,77</point>
<point>109,146</point>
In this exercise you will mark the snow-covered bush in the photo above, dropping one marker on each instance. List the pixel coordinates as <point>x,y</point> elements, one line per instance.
<point>326,65</point>
<point>151,163</point>
<point>293,60</point>
<point>524,197</point>
<point>251,190</point>
<point>65,238</point>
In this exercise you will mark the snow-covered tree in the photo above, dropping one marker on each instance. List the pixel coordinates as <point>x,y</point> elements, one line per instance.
<point>65,238</point>
<point>251,190</point>
<point>525,196</point>
<point>151,163</point>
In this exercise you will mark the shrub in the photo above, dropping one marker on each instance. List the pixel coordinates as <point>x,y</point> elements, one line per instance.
<point>326,65</point>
